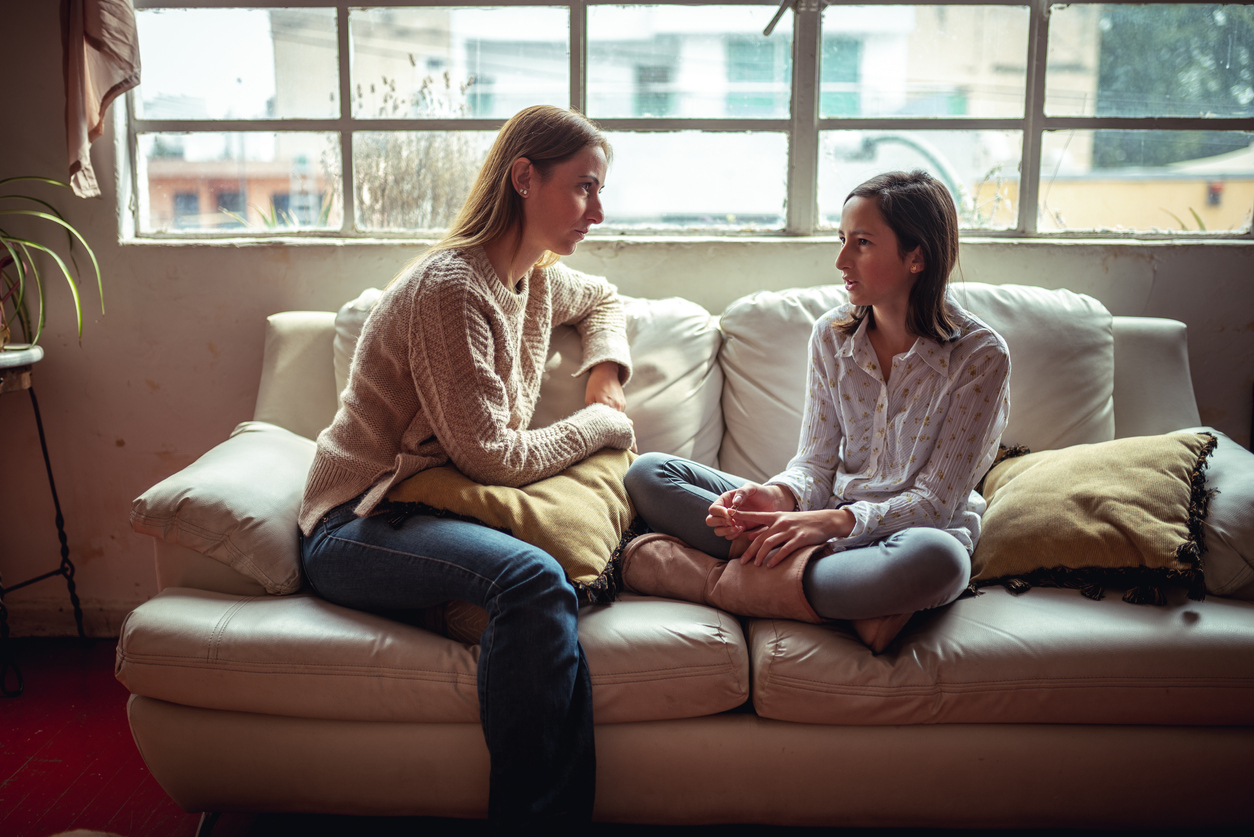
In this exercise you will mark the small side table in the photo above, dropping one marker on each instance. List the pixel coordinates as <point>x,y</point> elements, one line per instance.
<point>15,375</point>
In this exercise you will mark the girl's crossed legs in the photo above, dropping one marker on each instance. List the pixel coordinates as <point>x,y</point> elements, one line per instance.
<point>535,693</point>
<point>911,569</point>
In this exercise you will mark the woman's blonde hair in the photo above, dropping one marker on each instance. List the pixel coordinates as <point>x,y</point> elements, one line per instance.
<point>545,135</point>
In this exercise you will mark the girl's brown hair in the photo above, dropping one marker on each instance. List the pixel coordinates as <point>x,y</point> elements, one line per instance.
<point>545,135</point>
<point>920,211</point>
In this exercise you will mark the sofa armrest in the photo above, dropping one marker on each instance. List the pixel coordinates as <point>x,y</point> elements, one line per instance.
<point>180,566</point>
<point>1153,387</point>
<point>297,388</point>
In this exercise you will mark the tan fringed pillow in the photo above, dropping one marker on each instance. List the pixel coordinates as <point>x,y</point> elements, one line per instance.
<point>1123,513</point>
<point>578,516</point>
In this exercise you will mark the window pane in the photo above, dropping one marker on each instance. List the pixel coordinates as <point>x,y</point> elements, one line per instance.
<point>687,61</point>
<point>252,182</point>
<point>1210,188</point>
<point>238,64</point>
<point>696,180</point>
<point>1152,60</point>
<point>414,180</point>
<point>451,62</point>
<point>923,61</point>
<point>981,169</point>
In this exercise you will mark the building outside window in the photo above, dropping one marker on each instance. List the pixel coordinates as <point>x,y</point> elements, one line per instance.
<point>1057,120</point>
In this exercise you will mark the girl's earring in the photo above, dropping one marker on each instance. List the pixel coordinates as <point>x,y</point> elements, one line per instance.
<point>522,192</point>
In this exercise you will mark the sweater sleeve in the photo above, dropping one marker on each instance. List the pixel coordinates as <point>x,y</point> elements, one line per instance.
<point>456,342</point>
<point>592,306</point>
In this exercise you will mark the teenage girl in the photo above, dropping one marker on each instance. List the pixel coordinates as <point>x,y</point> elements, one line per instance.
<point>906,400</point>
<point>448,369</point>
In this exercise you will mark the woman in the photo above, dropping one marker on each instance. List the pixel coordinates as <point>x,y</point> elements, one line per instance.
<point>906,400</point>
<point>448,369</point>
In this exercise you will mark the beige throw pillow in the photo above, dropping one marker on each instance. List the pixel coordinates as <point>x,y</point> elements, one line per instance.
<point>237,504</point>
<point>1128,512</point>
<point>578,516</point>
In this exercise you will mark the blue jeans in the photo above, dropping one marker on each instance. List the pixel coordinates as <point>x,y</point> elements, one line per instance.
<point>909,570</point>
<point>535,692</point>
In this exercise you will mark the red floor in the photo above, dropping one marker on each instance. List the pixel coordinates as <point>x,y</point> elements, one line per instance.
<point>67,759</point>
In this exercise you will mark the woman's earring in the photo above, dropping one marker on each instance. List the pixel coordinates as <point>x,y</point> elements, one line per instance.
<point>522,192</point>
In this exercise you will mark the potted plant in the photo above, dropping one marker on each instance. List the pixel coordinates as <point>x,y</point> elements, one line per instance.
<point>19,260</point>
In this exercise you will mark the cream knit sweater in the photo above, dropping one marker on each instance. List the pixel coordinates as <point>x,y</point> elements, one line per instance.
<point>448,368</point>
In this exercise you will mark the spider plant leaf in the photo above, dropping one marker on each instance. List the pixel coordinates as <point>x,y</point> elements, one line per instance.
<point>33,271</point>
<point>56,219</point>
<point>1201,225</point>
<point>20,257</point>
<point>19,267</point>
<point>235,216</point>
<point>50,181</point>
<point>69,278</point>
<point>33,199</point>
<point>1180,223</point>
<point>69,239</point>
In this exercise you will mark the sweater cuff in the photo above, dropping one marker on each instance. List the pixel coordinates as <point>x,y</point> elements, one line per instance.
<point>601,426</point>
<point>603,346</point>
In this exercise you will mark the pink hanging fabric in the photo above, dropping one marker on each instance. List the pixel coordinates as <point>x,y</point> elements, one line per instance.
<point>101,63</point>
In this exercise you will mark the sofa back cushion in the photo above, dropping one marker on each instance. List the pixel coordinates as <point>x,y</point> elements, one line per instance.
<point>676,382</point>
<point>1061,381</point>
<point>672,397</point>
<point>1062,362</point>
<point>348,322</point>
<point>764,356</point>
<point>297,390</point>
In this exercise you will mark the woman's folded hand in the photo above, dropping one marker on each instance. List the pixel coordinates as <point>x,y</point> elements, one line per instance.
<point>604,386</point>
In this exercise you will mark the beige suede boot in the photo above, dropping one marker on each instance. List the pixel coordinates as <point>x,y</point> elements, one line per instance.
<point>660,565</point>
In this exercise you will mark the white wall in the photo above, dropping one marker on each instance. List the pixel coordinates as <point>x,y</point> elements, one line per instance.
<point>174,364</point>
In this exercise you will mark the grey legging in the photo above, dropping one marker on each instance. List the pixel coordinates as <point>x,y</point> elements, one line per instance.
<point>911,569</point>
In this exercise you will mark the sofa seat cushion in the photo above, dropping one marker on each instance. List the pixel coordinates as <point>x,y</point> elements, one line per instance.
<point>1047,656</point>
<point>304,657</point>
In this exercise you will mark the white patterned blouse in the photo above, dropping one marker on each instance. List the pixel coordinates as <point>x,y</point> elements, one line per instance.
<point>909,452</point>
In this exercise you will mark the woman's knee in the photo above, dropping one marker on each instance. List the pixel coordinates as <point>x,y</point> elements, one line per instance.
<point>535,577</point>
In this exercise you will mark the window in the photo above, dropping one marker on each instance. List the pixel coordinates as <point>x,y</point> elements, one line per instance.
<point>321,117</point>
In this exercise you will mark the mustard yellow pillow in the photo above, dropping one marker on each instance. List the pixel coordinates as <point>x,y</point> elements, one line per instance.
<point>578,516</point>
<point>1124,513</point>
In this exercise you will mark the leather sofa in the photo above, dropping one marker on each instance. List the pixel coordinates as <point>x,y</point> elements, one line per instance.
<point>1042,709</point>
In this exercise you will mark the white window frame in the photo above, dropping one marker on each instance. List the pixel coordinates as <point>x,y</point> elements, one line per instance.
<point>803,126</point>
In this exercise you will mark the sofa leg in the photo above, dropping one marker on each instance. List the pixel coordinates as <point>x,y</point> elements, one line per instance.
<point>207,821</point>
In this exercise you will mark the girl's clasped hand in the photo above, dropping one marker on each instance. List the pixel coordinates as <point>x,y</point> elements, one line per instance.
<point>764,527</point>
